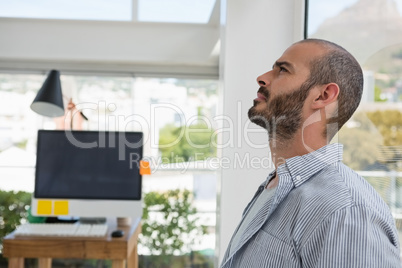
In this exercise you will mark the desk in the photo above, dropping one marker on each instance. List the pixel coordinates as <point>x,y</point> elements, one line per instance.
<point>45,248</point>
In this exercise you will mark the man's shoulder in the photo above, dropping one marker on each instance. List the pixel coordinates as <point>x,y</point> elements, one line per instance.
<point>327,186</point>
<point>335,188</point>
<point>339,183</point>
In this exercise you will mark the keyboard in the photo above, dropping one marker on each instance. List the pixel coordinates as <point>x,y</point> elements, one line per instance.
<point>61,230</point>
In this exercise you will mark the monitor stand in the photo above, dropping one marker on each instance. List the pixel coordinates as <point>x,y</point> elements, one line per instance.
<point>100,220</point>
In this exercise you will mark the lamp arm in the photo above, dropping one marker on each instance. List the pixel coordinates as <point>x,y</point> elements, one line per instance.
<point>70,102</point>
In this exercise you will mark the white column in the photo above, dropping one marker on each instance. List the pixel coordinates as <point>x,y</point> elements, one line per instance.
<point>254,34</point>
<point>134,10</point>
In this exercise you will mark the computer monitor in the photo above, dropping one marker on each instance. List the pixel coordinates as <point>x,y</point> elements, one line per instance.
<point>88,174</point>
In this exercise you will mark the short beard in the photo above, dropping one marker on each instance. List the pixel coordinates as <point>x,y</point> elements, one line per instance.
<point>283,116</point>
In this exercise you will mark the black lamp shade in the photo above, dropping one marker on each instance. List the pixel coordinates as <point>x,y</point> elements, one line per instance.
<point>49,101</point>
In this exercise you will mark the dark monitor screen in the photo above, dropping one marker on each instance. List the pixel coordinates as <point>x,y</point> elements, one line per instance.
<point>88,165</point>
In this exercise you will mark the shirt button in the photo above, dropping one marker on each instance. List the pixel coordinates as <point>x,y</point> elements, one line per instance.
<point>298,177</point>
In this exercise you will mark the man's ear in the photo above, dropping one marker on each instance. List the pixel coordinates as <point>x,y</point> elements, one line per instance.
<point>326,95</point>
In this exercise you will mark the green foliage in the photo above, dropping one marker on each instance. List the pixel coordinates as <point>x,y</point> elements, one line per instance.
<point>169,225</point>
<point>373,130</point>
<point>377,94</point>
<point>187,143</point>
<point>389,124</point>
<point>22,144</point>
<point>13,209</point>
<point>360,148</point>
<point>195,259</point>
<point>361,143</point>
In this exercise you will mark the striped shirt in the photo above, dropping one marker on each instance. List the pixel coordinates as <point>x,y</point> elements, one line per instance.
<point>259,203</point>
<point>323,214</point>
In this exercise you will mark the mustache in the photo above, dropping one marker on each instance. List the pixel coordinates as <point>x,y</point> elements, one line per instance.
<point>264,92</point>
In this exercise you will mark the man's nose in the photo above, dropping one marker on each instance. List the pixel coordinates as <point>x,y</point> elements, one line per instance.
<point>263,80</point>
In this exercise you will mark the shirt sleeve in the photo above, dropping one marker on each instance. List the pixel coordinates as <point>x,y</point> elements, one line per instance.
<point>352,237</point>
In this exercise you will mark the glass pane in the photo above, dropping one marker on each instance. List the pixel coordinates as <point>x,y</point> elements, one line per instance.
<point>180,11</point>
<point>118,10</point>
<point>373,137</point>
<point>155,106</point>
<point>170,106</point>
<point>18,127</point>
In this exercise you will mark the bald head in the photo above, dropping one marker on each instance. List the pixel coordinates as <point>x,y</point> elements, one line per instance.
<point>337,65</point>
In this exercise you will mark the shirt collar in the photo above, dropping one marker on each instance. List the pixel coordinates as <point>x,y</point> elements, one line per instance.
<point>301,168</point>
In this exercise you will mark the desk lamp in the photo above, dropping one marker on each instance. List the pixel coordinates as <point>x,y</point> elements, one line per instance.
<point>49,100</point>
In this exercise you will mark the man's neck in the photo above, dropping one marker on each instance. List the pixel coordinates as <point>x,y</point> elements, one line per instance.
<point>281,150</point>
<point>285,149</point>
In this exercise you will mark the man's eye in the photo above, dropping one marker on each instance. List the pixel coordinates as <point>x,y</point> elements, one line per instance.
<point>281,69</point>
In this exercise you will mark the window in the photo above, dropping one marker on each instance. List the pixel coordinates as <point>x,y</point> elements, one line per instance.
<point>180,11</point>
<point>118,10</point>
<point>154,106</point>
<point>371,31</point>
<point>176,11</point>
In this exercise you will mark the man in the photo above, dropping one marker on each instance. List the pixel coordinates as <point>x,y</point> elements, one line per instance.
<point>312,211</point>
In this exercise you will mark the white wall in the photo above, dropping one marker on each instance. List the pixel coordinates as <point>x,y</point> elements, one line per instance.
<point>254,35</point>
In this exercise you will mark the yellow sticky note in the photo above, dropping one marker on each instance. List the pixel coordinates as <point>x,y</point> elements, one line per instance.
<point>60,207</point>
<point>44,207</point>
<point>145,169</point>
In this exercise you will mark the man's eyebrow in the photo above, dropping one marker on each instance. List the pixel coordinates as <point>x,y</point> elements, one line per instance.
<point>282,63</point>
